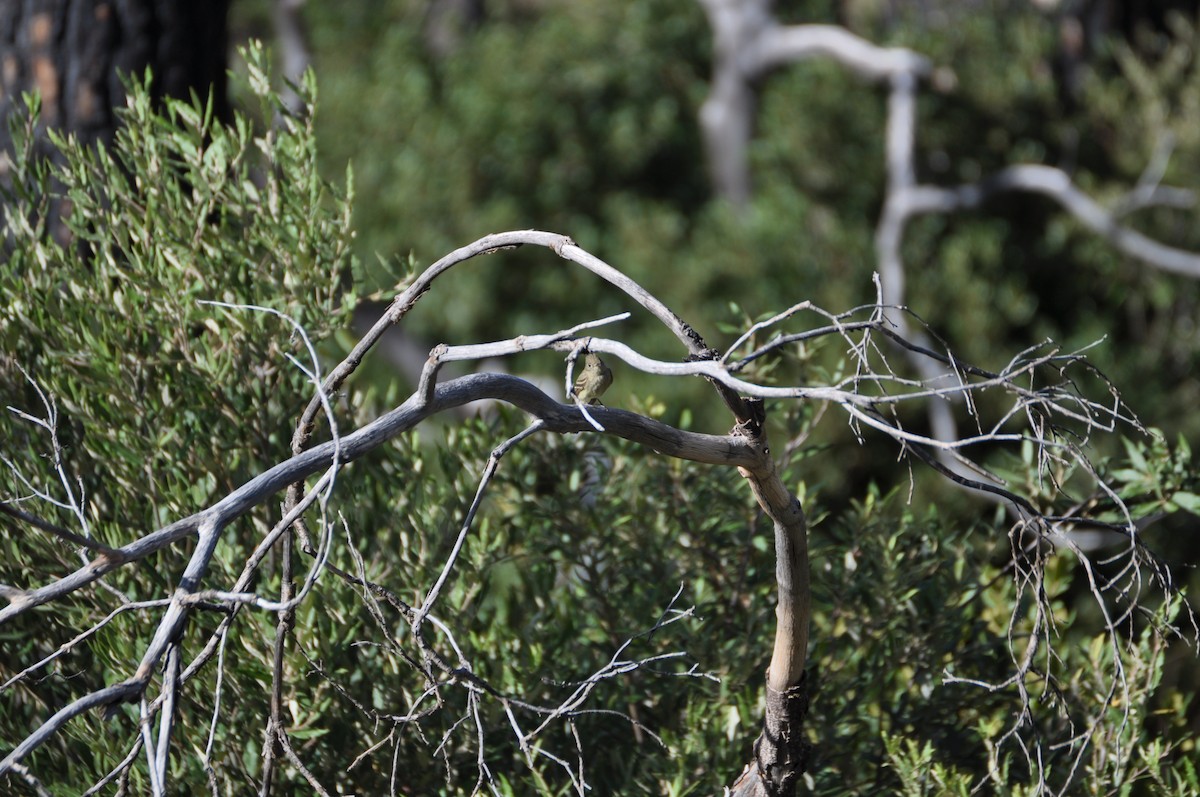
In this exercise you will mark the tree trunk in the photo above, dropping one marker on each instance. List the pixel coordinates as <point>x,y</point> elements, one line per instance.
<point>73,53</point>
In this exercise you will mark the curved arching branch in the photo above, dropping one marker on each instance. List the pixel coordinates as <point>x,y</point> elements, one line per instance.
<point>561,245</point>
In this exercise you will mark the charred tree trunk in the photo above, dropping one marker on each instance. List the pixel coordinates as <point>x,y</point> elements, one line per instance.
<point>74,52</point>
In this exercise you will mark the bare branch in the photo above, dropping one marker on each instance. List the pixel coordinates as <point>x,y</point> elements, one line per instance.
<point>488,471</point>
<point>1039,390</point>
<point>1057,185</point>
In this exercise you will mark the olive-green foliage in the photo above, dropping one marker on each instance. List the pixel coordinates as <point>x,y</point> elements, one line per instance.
<point>586,128</point>
<point>163,403</point>
<point>905,602</point>
<point>582,544</point>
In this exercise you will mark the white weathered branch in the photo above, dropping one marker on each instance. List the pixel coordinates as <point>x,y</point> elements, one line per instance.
<point>780,45</point>
<point>749,44</point>
<point>1058,186</point>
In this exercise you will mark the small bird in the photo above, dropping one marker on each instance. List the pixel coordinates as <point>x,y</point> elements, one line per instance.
<point>594,380</point>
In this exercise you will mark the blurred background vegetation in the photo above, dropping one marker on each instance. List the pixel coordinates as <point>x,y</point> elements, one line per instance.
<point>581,118</point>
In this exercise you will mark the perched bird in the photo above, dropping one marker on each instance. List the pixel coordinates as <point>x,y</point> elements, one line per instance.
<point>594,380</point>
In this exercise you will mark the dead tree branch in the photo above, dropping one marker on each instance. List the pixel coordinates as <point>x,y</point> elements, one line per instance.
<point>1057,418</point>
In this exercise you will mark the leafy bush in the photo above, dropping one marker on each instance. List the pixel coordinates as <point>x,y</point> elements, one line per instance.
<point>164,404</point>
